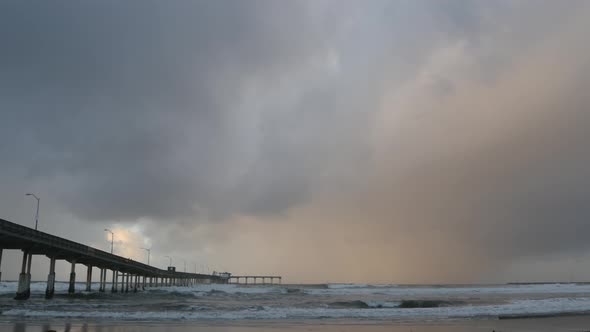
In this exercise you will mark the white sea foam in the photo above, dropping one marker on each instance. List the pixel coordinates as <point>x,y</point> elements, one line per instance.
<point>10,287</point>
<point>336,289</point>
<point>443,291</point>
<point>38,287</point>
<point>348,286</point>
<point>230,289</point>
<point>382,304</point>
<point>522,307</point>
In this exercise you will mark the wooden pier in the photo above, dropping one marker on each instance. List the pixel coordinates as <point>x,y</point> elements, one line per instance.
<point>127,274</point>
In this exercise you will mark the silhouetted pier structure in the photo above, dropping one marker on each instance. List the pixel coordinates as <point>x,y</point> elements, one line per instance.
<point>253,279</point>
<point>127,274</point>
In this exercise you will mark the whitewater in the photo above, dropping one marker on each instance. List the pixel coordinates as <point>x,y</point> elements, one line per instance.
<point>404,303</point>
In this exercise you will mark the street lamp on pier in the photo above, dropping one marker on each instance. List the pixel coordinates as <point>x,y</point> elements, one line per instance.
<point>36,214</point>
<point>148,252</point>
<point>112,238</point>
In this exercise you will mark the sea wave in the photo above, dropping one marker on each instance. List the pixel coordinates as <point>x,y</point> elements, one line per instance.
<point>399,291</point>
<point>357,286</point>
<point>367,304</point>
<point>554,306</point>
<point>341,301</point>
<point>7,289</point>
<point>364,304</point>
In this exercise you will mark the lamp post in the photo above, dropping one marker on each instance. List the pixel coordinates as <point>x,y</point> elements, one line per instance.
<point>112,238</point>
<point>170,260</point>
<point>184,265</point>
<point>148,251</point>
<point>36,214</point>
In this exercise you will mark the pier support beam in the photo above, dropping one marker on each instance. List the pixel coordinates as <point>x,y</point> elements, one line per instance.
<point>29,273</point>
<point>72,288</point>
<point>89,278</point>
<point>122,282</point>
<point>127,284</point>
<point>135,283</point>
<point>50,290</point>
<point>103,280</point>
<point>115,280</point>
<point>100,278</point>
<point>24,284</point>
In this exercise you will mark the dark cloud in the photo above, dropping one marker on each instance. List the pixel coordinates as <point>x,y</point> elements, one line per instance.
<point>133,103</point>
<point>457,128</point>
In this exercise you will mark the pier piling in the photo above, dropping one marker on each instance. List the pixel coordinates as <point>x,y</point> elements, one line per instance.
<point>89,278</point>
<point>114,282</point>
<point>103,280</point>
<point>24,289</point>
<point>72,287</point>
<point>127,283</point>
<point>49,291</point>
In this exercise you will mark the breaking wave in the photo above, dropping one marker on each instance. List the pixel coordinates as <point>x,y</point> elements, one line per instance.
<point>340,301</point>
<point>562,306</point>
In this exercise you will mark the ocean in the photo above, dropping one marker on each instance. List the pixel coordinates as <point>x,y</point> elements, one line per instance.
<point>341,304</point>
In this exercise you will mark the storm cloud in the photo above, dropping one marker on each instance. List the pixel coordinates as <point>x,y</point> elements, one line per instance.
<point>400,141</point>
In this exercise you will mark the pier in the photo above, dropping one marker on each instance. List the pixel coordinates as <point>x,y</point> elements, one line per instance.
<point>127,275</point>
<point>253,280</point>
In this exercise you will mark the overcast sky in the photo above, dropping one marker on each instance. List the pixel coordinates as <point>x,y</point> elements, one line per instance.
<point>341,141</point>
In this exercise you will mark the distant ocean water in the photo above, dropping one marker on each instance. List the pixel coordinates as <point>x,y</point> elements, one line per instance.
<point>353,302</point>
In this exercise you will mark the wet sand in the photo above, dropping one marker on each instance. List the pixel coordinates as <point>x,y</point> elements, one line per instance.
<point>553,324</point>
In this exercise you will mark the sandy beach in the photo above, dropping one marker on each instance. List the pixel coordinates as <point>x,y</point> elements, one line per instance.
<point>553,324</point>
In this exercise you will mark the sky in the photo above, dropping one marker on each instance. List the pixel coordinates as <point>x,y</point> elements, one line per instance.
<point>321,140</point>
